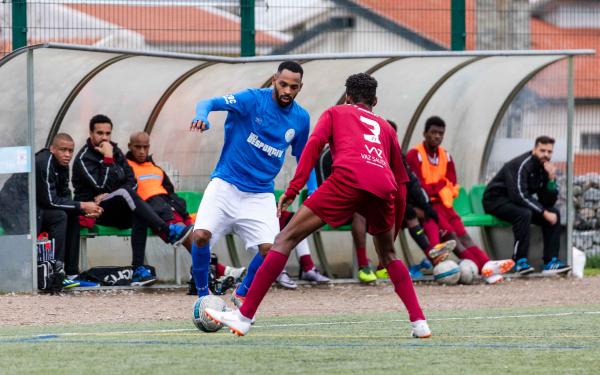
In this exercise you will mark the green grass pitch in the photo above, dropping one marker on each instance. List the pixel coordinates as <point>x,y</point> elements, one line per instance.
<point>507,341</point>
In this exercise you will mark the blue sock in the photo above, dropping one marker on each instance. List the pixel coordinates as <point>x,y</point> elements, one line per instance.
<point>200,268</point>
<point>252,268</point>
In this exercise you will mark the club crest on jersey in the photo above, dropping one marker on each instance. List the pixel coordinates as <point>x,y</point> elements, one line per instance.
<point>289,135</point>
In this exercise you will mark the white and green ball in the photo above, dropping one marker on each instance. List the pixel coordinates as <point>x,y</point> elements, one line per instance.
<point>199,317</point>
<point>468,271</point>
<point>446,272</point>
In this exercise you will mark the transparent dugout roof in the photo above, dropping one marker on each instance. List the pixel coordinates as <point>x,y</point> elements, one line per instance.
<point>159,92</point>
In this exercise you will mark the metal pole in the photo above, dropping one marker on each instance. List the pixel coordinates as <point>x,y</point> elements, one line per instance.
<point>31,144</point>
<point>19,24</point>
<point>248,45</point>
<point>458,32</point>
<point>570,119</point>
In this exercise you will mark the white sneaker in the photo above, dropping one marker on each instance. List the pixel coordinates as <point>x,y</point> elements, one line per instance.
<point>420,329</point>
<point>234,320</point>
<point>315,276</point>
<point>494,279</point>
<point>497,267</point>
<point>285,281</point>
<point>236,273</point>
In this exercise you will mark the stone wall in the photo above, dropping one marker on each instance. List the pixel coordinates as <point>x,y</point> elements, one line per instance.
<point>586,196</point>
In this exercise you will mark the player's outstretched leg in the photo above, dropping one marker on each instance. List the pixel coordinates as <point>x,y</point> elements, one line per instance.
<point>240,292</point>
<point>239,321</point>
<point>400,277</point>
<point>201,263</point>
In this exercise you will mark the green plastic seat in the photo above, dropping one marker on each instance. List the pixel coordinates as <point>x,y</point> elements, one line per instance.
<point>481,218</point>
<point>101,230</point>
<point>192,199</point>
<point>461,204</point>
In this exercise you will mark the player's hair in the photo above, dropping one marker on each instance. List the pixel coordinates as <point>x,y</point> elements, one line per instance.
<point>99,119</point>
<point>62,137</point>
<point>393,125</point>
<point>544,139</point>
<point>292,66</point>
<point>362,88</point>
<point>434,121</point>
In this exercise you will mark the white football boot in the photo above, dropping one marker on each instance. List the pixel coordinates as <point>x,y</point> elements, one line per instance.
<point>420,329</point>
<point>233,319</point>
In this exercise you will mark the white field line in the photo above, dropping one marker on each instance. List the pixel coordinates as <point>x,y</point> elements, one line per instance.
<point>312,324</point>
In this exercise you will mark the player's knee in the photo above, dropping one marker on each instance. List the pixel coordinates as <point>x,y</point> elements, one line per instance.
<point>201,237</point>
<point>264,248</point>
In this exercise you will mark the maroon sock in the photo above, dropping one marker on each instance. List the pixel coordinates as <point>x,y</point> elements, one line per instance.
<point>220,270</point>
<point>405,289</point>
<point>481,256</point>
<point>361,257</point>
<point>476,255</point>
<point>306,263</point>
<point>432,231</point>
<point>272,266</point>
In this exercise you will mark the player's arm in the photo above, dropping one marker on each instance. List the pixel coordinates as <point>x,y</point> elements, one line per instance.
<point>237,103</point>
<point>451,170</point>
<point>516,185</point>
<point>401,176</point>
<point>298,147</point>
<point>319,138</point>
<point>47,195</point>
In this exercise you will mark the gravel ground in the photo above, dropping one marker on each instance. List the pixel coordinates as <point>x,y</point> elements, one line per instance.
<point>121,306</point>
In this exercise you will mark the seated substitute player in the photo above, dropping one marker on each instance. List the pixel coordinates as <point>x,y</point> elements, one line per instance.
<point>415,198</point>
<point>57,212</point>
<point>101,174</point>
<point>155,187</point>
<point>435,169</point>
<point>368,177</point>
<point>510,196</point>
<point>261,124</point>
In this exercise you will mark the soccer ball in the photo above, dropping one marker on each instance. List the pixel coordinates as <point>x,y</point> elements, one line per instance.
<point>446,272</point>
<point>199,317</point>
<point>468,271</point>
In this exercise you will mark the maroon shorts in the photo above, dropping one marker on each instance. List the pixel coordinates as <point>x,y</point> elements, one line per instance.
<point>449,220</point>
<point>335,203</point>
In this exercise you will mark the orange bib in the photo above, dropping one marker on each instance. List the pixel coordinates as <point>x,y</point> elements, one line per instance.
<point>432,174</point>
<point>149,179</point>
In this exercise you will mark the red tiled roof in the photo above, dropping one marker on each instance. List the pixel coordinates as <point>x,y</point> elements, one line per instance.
<point>431,19</point>
<point>181,24</point>
<point>428,18</point>
<point>586,69</point>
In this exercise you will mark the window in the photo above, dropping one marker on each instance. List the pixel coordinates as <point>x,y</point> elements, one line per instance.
<point>590,141</point>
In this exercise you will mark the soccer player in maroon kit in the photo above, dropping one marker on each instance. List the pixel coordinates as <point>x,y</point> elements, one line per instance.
<point>368,177</point>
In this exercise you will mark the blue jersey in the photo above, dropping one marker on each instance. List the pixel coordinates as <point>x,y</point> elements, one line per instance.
<point>258,131</point>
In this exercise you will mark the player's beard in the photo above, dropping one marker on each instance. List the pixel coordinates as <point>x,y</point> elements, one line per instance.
<point>278,97</point>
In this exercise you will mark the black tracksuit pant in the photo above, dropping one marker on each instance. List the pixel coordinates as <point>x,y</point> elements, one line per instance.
<point>124,209</point>
<point>521,219</point>
<point>63,227</point>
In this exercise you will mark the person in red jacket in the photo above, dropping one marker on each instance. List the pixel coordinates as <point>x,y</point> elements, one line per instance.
<point>435,169</point>
<point>368,177</point>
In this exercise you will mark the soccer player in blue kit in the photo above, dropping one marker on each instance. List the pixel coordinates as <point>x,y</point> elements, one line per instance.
<point>260,125</point>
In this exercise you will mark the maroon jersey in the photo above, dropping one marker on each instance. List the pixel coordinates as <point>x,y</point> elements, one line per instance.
<point>365,151</point>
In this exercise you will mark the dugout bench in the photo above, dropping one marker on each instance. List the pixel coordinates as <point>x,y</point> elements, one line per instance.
<point>468,205</point>
<point>192,202</point>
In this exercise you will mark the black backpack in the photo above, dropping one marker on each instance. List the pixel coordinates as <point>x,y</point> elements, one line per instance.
<point>51,275</point>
